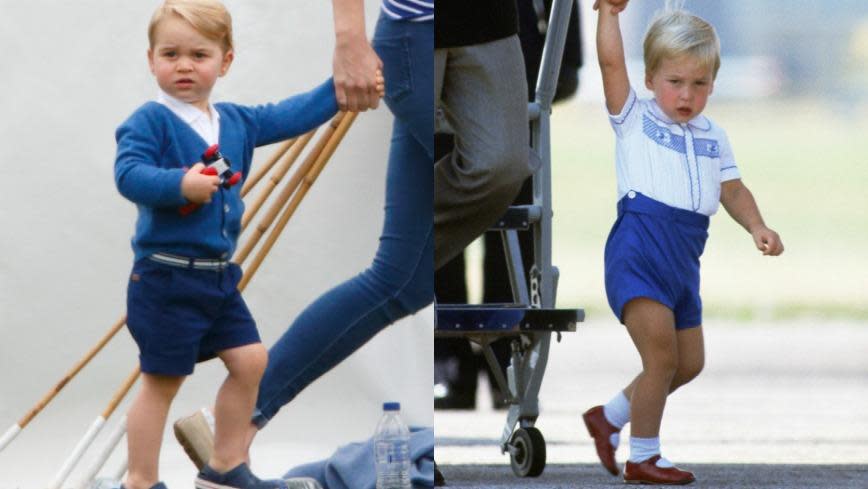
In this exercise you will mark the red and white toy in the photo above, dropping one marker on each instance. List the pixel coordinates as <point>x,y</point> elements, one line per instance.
<point>217,165</point>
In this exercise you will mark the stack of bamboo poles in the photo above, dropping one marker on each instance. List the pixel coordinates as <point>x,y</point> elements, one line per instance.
<point>282,208</point>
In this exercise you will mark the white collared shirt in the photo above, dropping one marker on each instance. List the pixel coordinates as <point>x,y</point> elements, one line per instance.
<point>679,164</point>
<point>206,127</point>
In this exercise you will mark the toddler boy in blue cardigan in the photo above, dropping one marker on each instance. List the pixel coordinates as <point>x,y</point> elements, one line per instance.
<point>183,305</point>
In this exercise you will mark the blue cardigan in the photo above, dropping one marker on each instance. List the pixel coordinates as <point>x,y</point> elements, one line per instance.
<point>154,146</point>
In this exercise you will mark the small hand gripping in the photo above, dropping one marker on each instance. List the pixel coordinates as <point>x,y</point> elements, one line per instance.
<point>216,165</point>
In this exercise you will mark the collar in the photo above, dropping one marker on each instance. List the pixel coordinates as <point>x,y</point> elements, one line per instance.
<point>699,122</point>
<point>187,112</point>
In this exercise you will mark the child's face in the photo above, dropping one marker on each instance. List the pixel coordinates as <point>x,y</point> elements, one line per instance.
<point>681,87</point>
<point>186,63</point>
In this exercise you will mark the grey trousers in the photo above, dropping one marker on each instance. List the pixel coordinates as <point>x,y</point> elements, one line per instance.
<point>482,92</point>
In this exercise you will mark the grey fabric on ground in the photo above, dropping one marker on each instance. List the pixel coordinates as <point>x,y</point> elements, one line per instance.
<point>352,466</point>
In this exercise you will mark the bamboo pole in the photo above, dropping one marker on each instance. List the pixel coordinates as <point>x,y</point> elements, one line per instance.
<point>242,253</point>
<point>272,213</point>
<point>111,443</point>
<point>94,430</point>
<point>309,179</point>
<point>275,178</point>
<point>39,406</point>
<point>121,392</point>
<point>253,179</point>
<point>121,469</point>
<point>248,273</point>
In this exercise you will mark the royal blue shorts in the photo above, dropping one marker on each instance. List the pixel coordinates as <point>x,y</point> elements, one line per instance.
<point>653,251</point>
<point>180,316</point>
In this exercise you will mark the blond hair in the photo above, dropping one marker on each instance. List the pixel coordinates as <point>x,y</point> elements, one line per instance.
<point>209,17</point>
<point>674,33</point>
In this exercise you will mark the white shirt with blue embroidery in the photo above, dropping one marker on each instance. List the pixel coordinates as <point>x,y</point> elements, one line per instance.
<point>679,164</point>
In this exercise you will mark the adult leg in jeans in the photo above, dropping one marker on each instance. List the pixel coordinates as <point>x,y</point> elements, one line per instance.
<point>483,93</point>
<point>400,280</point>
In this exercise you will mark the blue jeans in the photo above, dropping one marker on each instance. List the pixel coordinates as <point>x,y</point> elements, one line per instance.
<point>400,281</point>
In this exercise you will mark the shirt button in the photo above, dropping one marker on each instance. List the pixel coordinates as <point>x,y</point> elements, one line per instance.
<point>226,208</point>
<point>631,194</point>
<point>224,234</point>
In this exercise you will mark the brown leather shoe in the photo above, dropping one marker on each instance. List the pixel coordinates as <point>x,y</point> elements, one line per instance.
<point>648,472</point>
<point>600,430</point>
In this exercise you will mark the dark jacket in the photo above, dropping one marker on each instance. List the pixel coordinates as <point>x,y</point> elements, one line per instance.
<point>468,22</point>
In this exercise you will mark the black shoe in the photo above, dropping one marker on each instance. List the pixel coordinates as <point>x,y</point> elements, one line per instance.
<point>439,481</point>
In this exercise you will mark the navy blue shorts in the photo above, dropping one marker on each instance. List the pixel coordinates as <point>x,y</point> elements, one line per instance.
<point>653,251</point>
<point>180,316</point>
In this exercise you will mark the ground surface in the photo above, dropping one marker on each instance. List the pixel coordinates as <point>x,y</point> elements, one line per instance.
<point>778,405</point>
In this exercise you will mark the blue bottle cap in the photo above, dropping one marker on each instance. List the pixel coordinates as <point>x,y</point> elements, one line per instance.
<point>391,406</point>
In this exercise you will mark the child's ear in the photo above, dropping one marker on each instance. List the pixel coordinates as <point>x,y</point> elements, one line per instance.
<point>648,77</point>
<point>227,62</point>
<point>151,60</point>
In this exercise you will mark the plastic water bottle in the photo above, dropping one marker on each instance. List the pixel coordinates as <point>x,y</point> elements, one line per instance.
<point>392,449</point>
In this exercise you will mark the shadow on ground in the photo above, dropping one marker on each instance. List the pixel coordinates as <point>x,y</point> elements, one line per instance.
<point>717,476</point>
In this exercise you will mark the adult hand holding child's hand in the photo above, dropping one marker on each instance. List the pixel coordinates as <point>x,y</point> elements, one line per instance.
<point>357,74</point>
<point>198,188</point>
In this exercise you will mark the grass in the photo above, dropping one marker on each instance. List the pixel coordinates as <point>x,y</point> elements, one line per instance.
<point>804,160</point>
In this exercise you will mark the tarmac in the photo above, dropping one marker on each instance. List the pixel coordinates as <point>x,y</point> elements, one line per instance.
<point>721,476</point>
<point>779,405</point>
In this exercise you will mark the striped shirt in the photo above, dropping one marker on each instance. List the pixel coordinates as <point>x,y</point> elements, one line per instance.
<point>680,165</point>
<point>412,10</point>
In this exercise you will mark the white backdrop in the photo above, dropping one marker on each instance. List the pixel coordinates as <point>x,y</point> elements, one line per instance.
<point>70,72</point>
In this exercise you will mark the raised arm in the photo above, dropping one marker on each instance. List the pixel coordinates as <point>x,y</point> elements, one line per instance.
<point>610,51</point>
<point>618,4</point>
<point>355,63</point>
<point>740,204</point>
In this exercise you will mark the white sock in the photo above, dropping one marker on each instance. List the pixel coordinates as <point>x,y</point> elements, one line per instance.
<point>664,463</point>
<point>617,410</point>
<point>641,449</point>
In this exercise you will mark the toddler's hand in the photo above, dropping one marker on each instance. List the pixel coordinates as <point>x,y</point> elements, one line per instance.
<point>381,84</point>
<point>617,5</point>
<point>768,241</point>
<point>198,188</point>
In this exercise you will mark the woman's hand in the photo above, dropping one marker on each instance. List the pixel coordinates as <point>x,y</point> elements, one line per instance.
<point>357,74</point>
